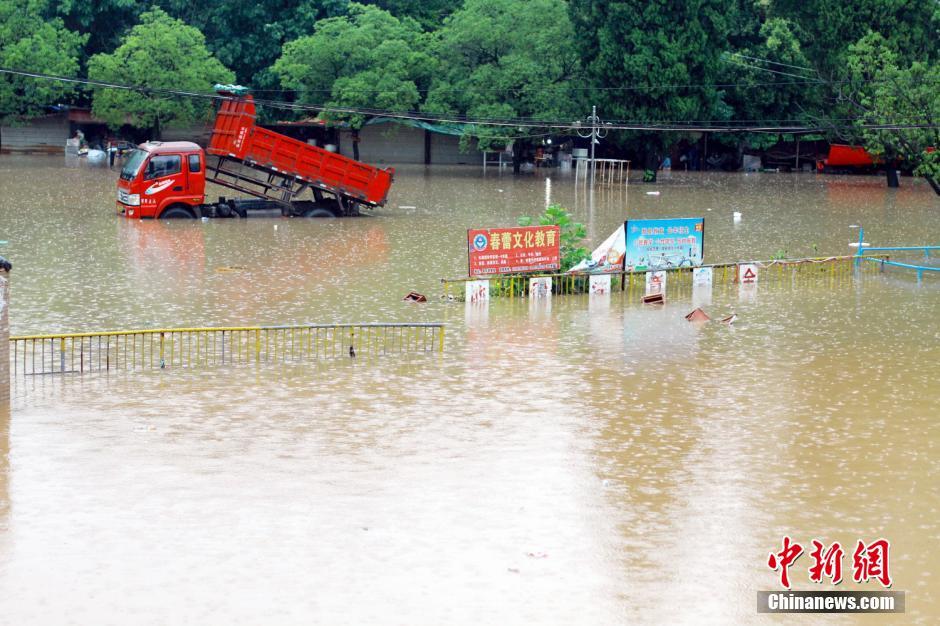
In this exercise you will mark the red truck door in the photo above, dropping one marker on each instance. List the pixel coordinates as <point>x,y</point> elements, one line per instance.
<point>196,181</point>
<point>164,181</point>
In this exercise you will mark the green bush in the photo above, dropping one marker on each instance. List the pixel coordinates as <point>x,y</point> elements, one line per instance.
<point>572,234</point>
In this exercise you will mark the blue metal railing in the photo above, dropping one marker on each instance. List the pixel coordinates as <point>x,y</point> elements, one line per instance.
<point>920,269</point>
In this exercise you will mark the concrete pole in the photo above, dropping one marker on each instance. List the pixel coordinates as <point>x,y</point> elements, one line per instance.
<point>4,335</point>
<point>593,141</point>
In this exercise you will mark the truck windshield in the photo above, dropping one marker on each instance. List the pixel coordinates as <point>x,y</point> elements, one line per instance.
<point>132,165</point>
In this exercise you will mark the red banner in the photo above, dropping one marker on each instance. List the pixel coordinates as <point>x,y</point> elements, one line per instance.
<point>508,250</point>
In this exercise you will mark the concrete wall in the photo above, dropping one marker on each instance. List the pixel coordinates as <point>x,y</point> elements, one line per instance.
<point>198,134</point>
<point>445,150</point>
<point>42,134</point>
<point>393,144</point>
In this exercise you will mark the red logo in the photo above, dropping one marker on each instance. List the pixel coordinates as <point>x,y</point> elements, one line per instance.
<point>868,561</point>
<point>784,559</point>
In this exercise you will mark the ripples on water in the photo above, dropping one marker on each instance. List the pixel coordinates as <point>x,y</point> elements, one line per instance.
<point>580,462</point>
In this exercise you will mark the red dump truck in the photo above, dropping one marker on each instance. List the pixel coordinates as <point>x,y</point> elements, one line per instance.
<point>168,179</point>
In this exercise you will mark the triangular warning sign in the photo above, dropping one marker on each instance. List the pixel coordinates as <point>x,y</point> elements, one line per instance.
<point>749,273</point>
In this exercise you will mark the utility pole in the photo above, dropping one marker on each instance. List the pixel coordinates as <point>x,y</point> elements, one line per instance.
<point>598,131</point>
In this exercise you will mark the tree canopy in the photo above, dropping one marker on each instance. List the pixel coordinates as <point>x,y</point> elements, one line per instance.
<point>159,52</point>
<point>882,90</point>
<point>365,59</point>
<point>28,40</point>
<point>688,63</point>
<point>507,59</point>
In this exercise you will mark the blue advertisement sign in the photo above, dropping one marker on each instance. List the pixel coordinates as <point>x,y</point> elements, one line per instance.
<point>664,243</point>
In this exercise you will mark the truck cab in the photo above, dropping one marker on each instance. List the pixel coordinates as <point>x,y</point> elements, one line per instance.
<point>162,180</point>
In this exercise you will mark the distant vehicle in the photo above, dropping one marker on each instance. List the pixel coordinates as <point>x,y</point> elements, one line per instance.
<point>848,158</point>
<point>167,180</point>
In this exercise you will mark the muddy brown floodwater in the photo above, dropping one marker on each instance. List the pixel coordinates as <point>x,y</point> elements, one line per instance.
<point>571,464</point>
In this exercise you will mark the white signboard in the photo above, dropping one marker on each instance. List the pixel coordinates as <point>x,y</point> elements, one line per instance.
<point>477,291</point>
<point>600,285</point>
<point>747,274</point>
<point>655,283</point>
<point>540,287</point>
<point>702,277</point>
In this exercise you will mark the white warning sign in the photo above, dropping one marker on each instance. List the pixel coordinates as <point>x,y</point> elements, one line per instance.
<point>702,277</point>
<point>540,287</point>
<point>655,283</point>
<point>747,274</point>
<point>477,291</point>
<point>600,285</point>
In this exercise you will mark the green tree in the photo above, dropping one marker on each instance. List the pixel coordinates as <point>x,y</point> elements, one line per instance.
<point>366,59</point>
<point>882,90</point>
<point>572,234</point>
<point>911,28</point>
<point>247,37</point>
<point>28,41</point>
<point>103,21</point>
<point>505,59</point>
<point>657,61</point>
<point>159,52</point>
<point>775,81</point>
<point>429,13</point>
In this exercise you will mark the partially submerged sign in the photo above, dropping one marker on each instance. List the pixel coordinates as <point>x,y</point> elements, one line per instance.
<point>600,285</point>
<point>649,244</point>
<point>510,250</point>
<point>607,257</point>
<point>747,273</point>
<point>477,291</point>
<point>655,283</point>
<point>664,243</point>
<point>702,277</point>
<point>540,287</point>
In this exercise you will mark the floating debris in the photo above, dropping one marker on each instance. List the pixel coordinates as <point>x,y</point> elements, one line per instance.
<point>698,315</point>
<point>736,216</point>
<point>731,319</point>
<point>654,298</point>
<point>230,268</point>
<point>414,296</point>
<point>406,206</point>
<point>652,193</point>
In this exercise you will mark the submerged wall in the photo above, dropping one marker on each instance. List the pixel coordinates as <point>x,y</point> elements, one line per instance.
<point>42,134</point>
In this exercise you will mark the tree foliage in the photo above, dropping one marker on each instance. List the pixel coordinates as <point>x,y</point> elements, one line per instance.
<point>103,21</point>
<point>657,60</point>
<point>572,234</point>
<point>507,59</point>
<point>29,41</point>
<point>159,52</point>
<point>884,90</point>
<point>366,59</point>
<point>247,37</point>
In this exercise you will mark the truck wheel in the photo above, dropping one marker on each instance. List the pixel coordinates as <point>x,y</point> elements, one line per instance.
<point>319,212</point>
<point>177,212</point>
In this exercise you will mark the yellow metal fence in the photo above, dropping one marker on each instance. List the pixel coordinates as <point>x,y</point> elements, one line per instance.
<point>192,347</point>
<point>679,278</point>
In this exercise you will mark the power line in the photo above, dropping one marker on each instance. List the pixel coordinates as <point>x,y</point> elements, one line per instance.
<point>769,62</point>
<point>720,126</point>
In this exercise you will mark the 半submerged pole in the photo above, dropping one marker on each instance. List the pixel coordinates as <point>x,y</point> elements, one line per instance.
<point>5,268</point>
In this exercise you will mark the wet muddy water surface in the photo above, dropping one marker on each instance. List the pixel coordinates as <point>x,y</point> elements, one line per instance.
<point>578,461</point>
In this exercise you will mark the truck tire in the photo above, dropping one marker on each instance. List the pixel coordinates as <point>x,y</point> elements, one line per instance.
<point>319,212</point>
<point>177,212</point>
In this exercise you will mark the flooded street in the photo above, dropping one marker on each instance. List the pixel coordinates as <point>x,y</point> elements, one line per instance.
<point>573,463</point>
